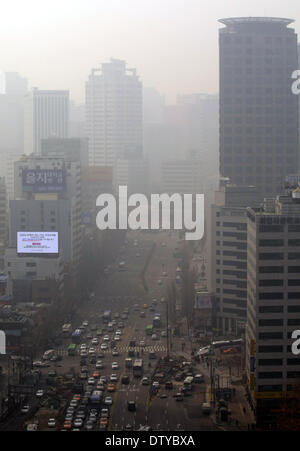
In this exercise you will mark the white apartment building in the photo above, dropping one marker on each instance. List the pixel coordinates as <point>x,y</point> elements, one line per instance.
<point>114,113</point>
<point>46,115</point>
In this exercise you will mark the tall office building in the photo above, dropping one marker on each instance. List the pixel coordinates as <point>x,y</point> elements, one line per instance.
<point>258,111</point>
<point>114,113</point>
<point>273,306</point>
<point>3,212</point>
<point>46,115</point>
<point>228,255</point>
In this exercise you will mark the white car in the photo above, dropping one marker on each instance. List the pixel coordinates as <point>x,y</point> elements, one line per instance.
<point>113,378</point>
<point>154,337</point>
<point>95,341</point>
<point>104,346</point>
<point>164,274</point>
<point>117,338</point>
<point>106,338</point>
<point>78,423</point>
<point>83,353</point>
<point>25,409</point>
<point>39,393</point>
<point>83,346</point>
<point>99,365</point>
<point>142,344</point>
<point>115,366</point>
<point>108,401</point>
<point>145,381</point>
<point>91,381</point>
<point>159,282</point>
<point>92,351</point>
<point>51,423</point>
<point>118,332</point>
<point>85,323</point>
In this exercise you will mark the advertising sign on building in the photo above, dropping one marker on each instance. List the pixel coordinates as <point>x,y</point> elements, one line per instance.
<point>37,243</point>
<point>44,180</point>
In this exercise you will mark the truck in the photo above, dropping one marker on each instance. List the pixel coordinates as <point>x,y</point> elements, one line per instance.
<point>138,368</point>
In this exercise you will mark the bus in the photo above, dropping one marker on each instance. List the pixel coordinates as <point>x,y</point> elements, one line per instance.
<point>138,368</point>
<point>149,329</point>
<point>72,349</point>
<point>76,335</point>
<point>106,316</point>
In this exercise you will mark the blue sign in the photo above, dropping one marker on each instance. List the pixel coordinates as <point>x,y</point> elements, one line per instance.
<point>44,180</point>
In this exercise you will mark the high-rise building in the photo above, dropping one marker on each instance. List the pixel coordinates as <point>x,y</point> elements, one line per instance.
<point>14,88</point>
<point>228,256</point>
<point>258,111</point>
<point>46,115</point>
<point>114,113</point>
<point>273,305</point>
<point>3,212</point>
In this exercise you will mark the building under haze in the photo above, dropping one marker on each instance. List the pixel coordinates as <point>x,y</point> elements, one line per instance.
<point>258,111</point>
<point>46,115</point>
<point>228,258</point>
<point>273,307</point>
<point>114,113</point>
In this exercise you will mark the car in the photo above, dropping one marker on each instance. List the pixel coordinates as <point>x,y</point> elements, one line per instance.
<point>78,422</point>
<point>96,374</point>
<point>103,422</point>
<point>104,412</point>
<point>103,379</point>
<point>115,353</point>
<point>52,373</point>
<point>104,347</point>
<point>89,336</point>
<point>108,401</point>
<point>115,366</point>
<point>67,425</point>
<point>89,425</point>
<point>159,282</point>
<point>145,381</point>
<point>39,393</point>
<point>131,406</point>
<point>85,323</point>
<point>74,403</point>
<point>154,337</point>
<point>69,417</point>
<point>83,353</point>
<point>93,360</point>
<point>100,355</point>
<point>125,380</point>
<point>106,338</point>
<point>111,388</point>
<point>199,378</point>
<point>117,338</point>
<point>95,341</point>
<point>99,333</point>
<point>155,384</point>
<point>83,376</point>
<point>114,378</point>
<point>163,333</point>
<point>91,381</point>
<point>92,351</point>
<point>99,365</point>
<point>142,344</point>
<point>100,386</point>
<point>179,396</point>
<point>169,385</point>
<point>25,409</point>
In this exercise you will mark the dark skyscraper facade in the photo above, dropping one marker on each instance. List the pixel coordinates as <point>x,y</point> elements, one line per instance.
<point>258,111</point>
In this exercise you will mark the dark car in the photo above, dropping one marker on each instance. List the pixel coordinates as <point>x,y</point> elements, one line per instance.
<point>125,380</point>
<point>169,385</point>
<point>131,406</point>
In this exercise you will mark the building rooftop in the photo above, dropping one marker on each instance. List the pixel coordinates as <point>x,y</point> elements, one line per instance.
<point>240,20</point>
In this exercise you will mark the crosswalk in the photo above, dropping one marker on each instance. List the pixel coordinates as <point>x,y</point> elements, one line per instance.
<point>121,349</point>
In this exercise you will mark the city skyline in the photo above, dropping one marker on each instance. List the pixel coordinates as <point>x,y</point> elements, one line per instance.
<point>99,31</point>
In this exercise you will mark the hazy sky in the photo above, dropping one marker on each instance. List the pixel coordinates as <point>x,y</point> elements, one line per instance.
<point>172,43</point>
